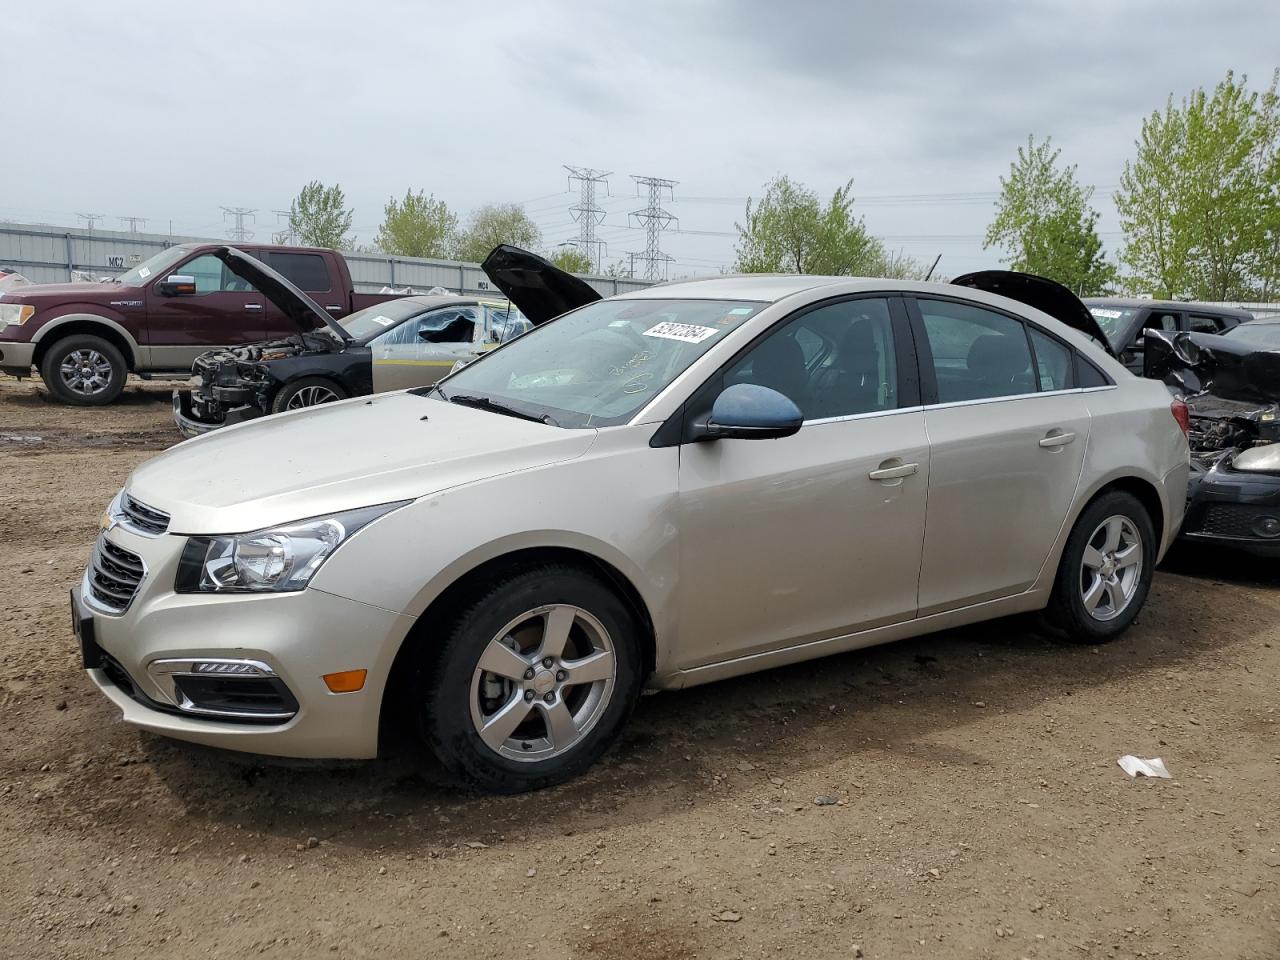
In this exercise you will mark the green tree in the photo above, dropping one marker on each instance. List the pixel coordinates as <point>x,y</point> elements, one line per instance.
<point>418,226</point>
<point>790,230</point>
<point>318,216</point>
<point>571,259</point>
<point>1045,222</point>
<point>496,223</point>
<point>1200,202</point>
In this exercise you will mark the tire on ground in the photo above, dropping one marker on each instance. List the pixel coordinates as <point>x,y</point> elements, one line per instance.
<point>1067,613</point>
<point>442,685</point>
<point>99,355</point>
<point>280,401</point>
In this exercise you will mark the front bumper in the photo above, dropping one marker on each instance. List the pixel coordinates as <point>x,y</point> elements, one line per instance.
<point>297,637</point>
<point>1225,507</point>
<point>190,425</point>
<point>16,358</point>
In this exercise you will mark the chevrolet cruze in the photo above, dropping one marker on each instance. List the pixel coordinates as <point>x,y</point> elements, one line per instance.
<point>670,487</point>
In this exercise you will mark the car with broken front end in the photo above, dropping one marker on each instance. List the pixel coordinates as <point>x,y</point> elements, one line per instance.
<point>662,489</point>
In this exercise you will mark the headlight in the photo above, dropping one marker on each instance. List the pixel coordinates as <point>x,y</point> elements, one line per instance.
<point>269,561</point>
<point>15,314</point>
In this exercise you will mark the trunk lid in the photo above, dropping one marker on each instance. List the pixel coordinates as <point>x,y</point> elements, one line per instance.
<point>538,287</point>
<point>1047,296</point>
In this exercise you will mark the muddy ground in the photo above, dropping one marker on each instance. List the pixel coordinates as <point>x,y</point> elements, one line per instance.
<point>980,811</point>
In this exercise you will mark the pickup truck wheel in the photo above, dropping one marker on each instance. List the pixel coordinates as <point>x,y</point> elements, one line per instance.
<point>84,370</point>
<point>532,682</point>
<point>307,392</point>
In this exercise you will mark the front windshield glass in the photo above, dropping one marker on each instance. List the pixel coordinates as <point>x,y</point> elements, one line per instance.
<point>381,317</point>
<point>597,366</point>
<point>152,267</point>
<point>1264,336</point>
<point>1114,321</point>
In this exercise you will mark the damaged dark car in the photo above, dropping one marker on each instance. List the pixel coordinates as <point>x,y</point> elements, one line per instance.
<point>409,342</point>
<point>1231,385</point>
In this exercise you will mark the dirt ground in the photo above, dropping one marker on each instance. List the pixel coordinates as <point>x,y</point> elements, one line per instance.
<point>978,808</point>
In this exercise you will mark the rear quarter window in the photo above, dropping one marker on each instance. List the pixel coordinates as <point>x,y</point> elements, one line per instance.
<point>307,271</point>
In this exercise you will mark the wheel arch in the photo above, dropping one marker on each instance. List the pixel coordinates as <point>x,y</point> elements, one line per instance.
<point>91,324</point>
<point>416,647</point>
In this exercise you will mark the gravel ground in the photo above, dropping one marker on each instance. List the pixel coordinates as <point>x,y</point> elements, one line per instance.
<point>954,796</point>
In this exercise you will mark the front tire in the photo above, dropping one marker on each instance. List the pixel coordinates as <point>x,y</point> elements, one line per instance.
<point>1106,569</point>
<point>533,680</point>
<point>307,392</point>
<point>84,370</point>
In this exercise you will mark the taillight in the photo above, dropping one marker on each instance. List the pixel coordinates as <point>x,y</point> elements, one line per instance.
<point>1182,415</point>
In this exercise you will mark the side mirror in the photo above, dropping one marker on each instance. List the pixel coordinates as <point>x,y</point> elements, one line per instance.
<point>177,285</point>
<point>748,411</point>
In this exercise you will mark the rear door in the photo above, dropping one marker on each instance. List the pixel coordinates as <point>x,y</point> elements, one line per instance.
<point>1007,432</point>
<point>420,351</point>
<point>224,311</point>
<point>311,273</point>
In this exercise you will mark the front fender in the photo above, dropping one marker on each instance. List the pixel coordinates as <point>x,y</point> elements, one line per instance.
<point>97,316</point>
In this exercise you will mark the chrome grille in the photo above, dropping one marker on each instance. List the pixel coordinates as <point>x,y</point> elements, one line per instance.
<point>144,518</point>
<point>114,575</point>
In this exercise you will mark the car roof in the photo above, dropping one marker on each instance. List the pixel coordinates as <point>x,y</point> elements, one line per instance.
<point>767,287</point>
<point>1138,302</point>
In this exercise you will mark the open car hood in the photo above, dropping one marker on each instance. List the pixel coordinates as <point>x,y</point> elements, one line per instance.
<point>295,304</point>
<point>1047,296</point>
<point>1198,363</point>
<point>538,287</point>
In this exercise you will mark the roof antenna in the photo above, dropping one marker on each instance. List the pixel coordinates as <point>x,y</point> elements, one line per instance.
<point>931,268</point>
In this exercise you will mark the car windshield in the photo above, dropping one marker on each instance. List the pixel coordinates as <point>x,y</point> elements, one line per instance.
<point>149,268</point>
<point>1113,320</point>
<point>597,366</point>
<point>381,317</point>
<point>1264,336</point>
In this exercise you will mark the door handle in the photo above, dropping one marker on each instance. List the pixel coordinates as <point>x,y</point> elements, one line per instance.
<point>333,308</point>
<point>253,306</point>
<point>1057,438</point>
<point>894,473</point>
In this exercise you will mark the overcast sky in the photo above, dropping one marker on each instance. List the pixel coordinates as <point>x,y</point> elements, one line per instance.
<point>171,110</point>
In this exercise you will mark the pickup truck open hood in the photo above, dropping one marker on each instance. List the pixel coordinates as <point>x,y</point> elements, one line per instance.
<point>538,287</point>
<point>291,301</point>
<point>1047,296</point>
<point>1206,363</point>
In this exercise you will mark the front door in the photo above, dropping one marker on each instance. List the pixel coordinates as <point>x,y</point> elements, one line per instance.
<point>423,349</point>
<point>1007,438</point>
<point>224,311</point>
<point>818,534</point>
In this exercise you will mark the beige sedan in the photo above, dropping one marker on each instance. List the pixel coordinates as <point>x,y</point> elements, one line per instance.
<point>671,487</point>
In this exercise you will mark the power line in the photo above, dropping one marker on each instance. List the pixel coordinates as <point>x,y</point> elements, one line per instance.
<point>239,232</point>
<point>588,213</point>
<point>655,220</point>
<point>133,222</point>
<point>89,219</point>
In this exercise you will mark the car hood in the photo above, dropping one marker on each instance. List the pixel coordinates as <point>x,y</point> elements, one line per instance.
<point>1047,296</point>
<point>1200,363</point>
<point>35,293</point>
<point>538,287</point>
<point>290,300</point>
<point>340,456</point>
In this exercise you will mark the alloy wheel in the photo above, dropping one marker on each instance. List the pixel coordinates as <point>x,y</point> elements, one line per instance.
<point>1111,568</point>
<point>86,372</point>
<point>542,683</point>
<point>310,397</point>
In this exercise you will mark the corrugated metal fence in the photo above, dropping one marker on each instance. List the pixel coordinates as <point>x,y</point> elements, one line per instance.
<point>47,254</point>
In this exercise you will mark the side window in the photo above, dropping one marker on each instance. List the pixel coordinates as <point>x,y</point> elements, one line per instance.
<point>976,353</point>
<point>1053,362</point>
<point>211,275</point>
<point>451,325</point>
<point>1160,321</point>
<point>1203,324</point>
<point>834,361</point>
<point>307,271</point>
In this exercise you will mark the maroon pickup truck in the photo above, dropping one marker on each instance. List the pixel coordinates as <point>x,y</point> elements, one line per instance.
<point>85,338</point>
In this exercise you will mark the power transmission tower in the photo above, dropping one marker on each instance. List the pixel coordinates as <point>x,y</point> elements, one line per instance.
<point>587,213</point>
<point>655,220</point>
<point>89,219</point>
<point>239,232</point>
<point>285,235</point>
<point>133,222</point>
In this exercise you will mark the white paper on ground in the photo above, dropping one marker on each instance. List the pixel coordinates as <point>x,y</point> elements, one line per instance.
<point>1136,766</point>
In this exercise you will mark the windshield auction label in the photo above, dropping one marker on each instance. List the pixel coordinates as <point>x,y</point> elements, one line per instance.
<point>688,332</point>
<point>1106,314</point>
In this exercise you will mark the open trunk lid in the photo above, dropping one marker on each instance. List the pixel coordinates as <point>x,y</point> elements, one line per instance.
<point>1047,296</point>
<point>538,287</point>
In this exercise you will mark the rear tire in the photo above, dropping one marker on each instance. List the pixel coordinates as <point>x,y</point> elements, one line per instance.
<point>1106,569</point>
<point>84,370</point>
<point>307,392</point>
<point>532,682</point>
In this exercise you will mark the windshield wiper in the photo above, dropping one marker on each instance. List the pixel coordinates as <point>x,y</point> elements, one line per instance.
<point>488,403</point>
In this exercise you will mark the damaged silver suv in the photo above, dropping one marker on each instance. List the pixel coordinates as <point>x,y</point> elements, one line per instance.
<point>666,488</point>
